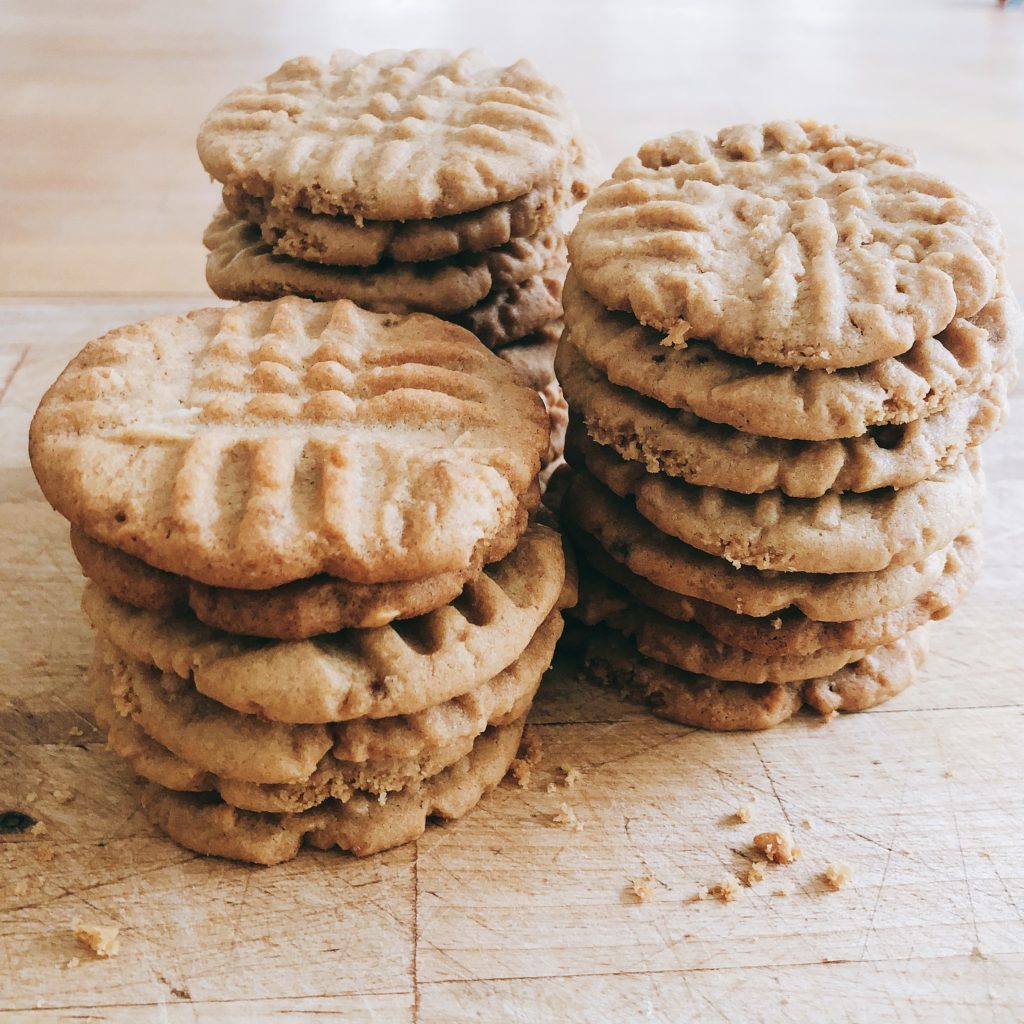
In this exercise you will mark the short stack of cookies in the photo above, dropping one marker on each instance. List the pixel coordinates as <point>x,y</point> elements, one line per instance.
<point>322,602</point>
<point>416,181</point>
<point>783,347</point>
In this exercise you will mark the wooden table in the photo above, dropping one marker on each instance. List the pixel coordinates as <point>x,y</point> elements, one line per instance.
<point>505,915</point>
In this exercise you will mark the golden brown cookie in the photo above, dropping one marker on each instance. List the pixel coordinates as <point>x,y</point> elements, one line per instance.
<point>240,265</point>
<point>679,444</point>
<point>342,241</point>
<point>810,405</point>
<point>837,533</point>
<point>534,357</point>
<point>688,646</point>
<point>393,135</point>
<point>397,669</point>
<point>631,540</point>
<point>362,825</point>
<point>259,444</point>
<point>512,314</point>
<point>293,611</point>
<point>790,631</point>
<point>790,243</point>
<point>177,738</point>
<point>713,704</point>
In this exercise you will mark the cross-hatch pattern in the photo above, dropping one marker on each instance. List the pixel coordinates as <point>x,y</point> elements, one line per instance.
<point>257,445</point>
<point>334,371</point>
<point>391,136</point>
<point>793,244</point>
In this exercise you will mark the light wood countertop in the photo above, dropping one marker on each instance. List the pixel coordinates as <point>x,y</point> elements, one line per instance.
<point>505,916</point>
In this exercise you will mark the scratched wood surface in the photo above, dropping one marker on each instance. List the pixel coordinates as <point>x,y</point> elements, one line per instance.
<point>505,915</point>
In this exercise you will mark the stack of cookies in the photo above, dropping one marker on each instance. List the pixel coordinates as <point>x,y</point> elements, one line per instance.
<point>322,606</point>
<point>407,182</point>
<point>783,348</point>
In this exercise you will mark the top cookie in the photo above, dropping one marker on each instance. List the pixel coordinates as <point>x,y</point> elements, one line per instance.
<point>795,244</point>
<point>267,442</point>
<point>391,136</point>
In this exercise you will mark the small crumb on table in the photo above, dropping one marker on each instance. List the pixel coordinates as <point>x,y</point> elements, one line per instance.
<point>835,876</point>
<point>567,816</point>
<point>100,939</point>
<point>754,874</point>
<point>530,752</point>
<point>642,888</point>
<point>570,776</point>
<point>726,889</point>
<point>777,847</point>
<point>742,814</point>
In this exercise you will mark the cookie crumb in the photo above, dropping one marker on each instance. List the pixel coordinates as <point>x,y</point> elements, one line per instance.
<point>777,847</point>
<point>63,796</point>
<point>72,963</point>
<point>567,816</point>
<point>643,887</point>
<point>776,623</point>
<point>726,889</point>
<point>31,798</point>
<point>835,876</point>
<point>39,661</point>
<point>780,892</point>
<point>38,829</point>
<point>530,752</point>
<point>742,814</point>
<point>75,731</point>
<point>947,774</point>
<point>978,953</point>
<point>676,338</point>
<point>754,874</point>
<point>807,824</point>
<point>985,854</point>
<point>100,939</point>
<point>570,776</point>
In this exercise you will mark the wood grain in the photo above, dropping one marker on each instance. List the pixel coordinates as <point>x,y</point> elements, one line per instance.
<point>505,915</point>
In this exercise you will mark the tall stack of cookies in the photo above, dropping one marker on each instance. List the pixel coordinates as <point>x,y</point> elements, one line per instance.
<point>321,607</point>
<point>783,348</point>
<point>407,182</point>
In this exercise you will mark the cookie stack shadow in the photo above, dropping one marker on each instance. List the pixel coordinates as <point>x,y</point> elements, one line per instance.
<point>322,598</point>
<point>783,347</point>
<point>407,182</point>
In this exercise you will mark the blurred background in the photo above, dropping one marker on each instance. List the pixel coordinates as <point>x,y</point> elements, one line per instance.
<point>101,193</point>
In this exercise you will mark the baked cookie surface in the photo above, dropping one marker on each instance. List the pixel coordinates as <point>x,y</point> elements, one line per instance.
<point>393,135</point>
<point>269,442</point>
<point>790,243</point>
